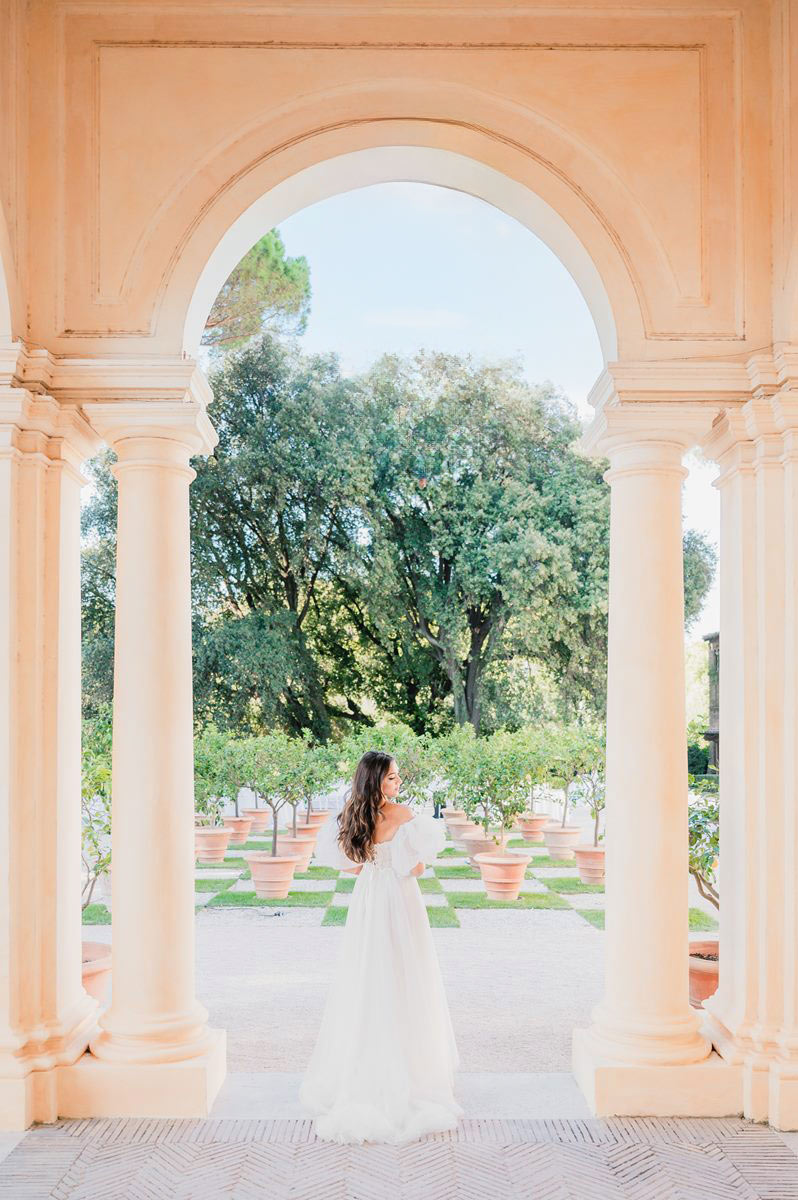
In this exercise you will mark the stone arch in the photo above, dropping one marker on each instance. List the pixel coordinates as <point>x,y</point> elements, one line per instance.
<point>509,156</point>
<point>419,164</point>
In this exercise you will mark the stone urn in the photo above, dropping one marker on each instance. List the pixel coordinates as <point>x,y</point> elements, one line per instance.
<point>532,826</point>
<point>239,829</point>
<point>314,819</point>
<point>502,873</point>
<point>561,839</point>
<point>590,861</point>
<point>96,969</point>
<point>301,847</point>
<point>459,832</point>
<point>479,843</point>
<point>453,815</point>
<point>210,843</point>
<point>261,819</point>
<point>703,967</point>
<point>272,874</point>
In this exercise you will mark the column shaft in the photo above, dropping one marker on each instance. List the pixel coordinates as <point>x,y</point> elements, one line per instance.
<point>45,1016</point>
<point>154,1016</point>
<point>645,1015</point>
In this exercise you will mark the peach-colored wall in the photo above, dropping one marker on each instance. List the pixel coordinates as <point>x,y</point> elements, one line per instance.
<point>154,127</point>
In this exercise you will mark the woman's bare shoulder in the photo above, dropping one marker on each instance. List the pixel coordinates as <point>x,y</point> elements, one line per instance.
<point>402,813</point>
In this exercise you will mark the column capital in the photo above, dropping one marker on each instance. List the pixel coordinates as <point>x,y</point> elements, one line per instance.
<point>126,399</point>
<point>148,422</point>
<point>619,425</point>
<point>33,422</point>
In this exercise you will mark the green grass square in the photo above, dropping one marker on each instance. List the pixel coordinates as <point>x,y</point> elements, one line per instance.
<point>443,917</point>
<point>463,872</point>
<point>545,861</point>
<point>346,883</point>
<point>250,900</point>
<point>317,873</point>
<point>335,915</point>
<point>212,885</point>
<point>570,886</point>
<point>451,852</point>
<point>96,914</point>
<point>593,916</point>
<point>429,885</point>
<point>525,900</point>
<point>700,922</point>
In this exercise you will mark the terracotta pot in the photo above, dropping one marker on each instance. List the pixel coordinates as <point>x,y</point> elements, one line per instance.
<point>454,814</point>
<point>532,826</point>
<point>210,844</point>
<point>590,861</point>
<point>272,874</point>
<point>261,819</point>
<point>459,831</point>
<point>561,840</point>
<point>96,969</point>
<point>316,819</point>
<point>302,847</point>
<point>703,971</point>
<point>239,828</point>
<point>502,873</point>
<point>477,843</point>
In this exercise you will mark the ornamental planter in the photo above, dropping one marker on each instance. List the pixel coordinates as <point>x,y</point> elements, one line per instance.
<point>239,828</point>
<point>460,830</point>
<point>260,818</point>
<point>210,844</point>
<point>315,820</point>
<point>703,971</point>
<point>590,861</point>
<point>478,843</point>
<point>454,814</point>
<point>532,826</point>
<point>301,847</point>
<point>502,873</point>
<point>561,839</point>
<point>96,969</point>
<point>272,874</point>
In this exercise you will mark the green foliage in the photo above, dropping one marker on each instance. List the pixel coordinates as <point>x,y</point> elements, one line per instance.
<point>700,565</point>
<point>703,822</point>
<point>95,803</point>
<point>479,514</point>
<point>265,292</point>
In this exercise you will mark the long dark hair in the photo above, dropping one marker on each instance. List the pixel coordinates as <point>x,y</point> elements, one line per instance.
<point>358,820</point>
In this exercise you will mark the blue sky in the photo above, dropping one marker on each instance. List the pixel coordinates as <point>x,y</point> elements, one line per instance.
<point>405,266</point>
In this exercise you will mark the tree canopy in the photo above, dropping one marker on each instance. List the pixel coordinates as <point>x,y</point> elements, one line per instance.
<point>266,292</point>
<point>422,543</point>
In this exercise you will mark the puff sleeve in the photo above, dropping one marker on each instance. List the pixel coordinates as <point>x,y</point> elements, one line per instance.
<point>328,852</point>
<point>418,840</point>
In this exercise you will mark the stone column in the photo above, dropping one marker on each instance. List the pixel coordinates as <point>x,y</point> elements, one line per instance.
<point>753,1017</point>
<point>154,1015</point>
<point>782,927</point>
<point>645,1023</point>
<point>732,1010</point>
<point>46,1018</point>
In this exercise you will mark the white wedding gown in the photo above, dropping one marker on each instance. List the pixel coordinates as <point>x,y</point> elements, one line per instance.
<point>383,1066</point>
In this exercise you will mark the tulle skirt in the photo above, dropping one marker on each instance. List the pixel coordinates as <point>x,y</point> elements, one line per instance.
<point>382,1069</point>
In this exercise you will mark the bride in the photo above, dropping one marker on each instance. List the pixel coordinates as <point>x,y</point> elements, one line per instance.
<point>382,1069</point>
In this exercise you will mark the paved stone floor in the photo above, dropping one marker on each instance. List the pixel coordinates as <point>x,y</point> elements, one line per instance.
<point>640,1159</point>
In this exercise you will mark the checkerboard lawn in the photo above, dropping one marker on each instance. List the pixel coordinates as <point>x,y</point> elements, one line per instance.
<point>450,885</point>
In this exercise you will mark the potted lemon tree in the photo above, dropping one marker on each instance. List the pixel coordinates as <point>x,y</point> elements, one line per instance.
<point>490,778</point>
<point>272,871</point>
<point>590,789</point>
<point>703,824</point>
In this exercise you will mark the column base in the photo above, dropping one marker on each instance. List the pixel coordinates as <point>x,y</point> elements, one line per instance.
<point>95,1088</point>
<point>783,1096</point>
<point>710,1088</point>
<point>32,1097</point>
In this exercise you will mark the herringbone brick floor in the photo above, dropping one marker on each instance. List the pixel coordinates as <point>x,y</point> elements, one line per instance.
<point>621,1159</point>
